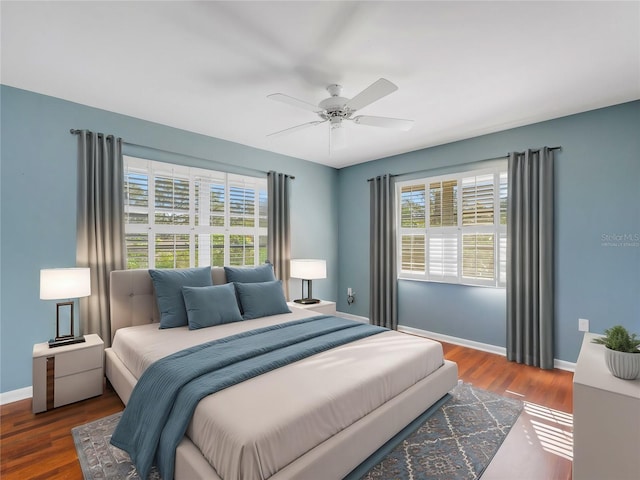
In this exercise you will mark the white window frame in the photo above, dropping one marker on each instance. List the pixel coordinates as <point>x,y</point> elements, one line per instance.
<point>499,172</point>
<point>200,233</point>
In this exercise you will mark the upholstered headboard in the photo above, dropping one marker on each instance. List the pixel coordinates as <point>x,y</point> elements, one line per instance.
<point>132,300</point>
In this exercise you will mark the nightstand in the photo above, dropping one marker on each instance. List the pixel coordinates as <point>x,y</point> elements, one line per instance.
<point>67,374</point>
<point>326,307</point>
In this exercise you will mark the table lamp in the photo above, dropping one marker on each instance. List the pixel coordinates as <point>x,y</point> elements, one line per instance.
<point>307,270</point>
<point>64,283</point>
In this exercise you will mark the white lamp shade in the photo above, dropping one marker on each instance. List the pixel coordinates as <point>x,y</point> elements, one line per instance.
<point>308,269</point>
<point>60,283</point>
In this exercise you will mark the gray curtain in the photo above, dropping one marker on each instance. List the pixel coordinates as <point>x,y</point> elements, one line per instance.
<point>530,270</point>
<point>100,227</point>
<point>383,291</point>
<point>279,231</point>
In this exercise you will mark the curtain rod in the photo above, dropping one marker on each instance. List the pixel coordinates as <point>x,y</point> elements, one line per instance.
<point>457,165</point>
<point>76,131</point>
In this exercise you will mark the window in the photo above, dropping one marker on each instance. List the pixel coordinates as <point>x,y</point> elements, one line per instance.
<point>453,228</point>
<point>180,217</point>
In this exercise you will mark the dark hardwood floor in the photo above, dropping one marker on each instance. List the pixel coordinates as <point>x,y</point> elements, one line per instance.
<point>538,447</point>
<point>41,446</point>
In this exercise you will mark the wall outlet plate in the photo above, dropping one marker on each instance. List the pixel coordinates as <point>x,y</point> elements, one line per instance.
<point>583,325</point>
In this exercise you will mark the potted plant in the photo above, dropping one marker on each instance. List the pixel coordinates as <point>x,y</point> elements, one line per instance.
<point>621,355</point>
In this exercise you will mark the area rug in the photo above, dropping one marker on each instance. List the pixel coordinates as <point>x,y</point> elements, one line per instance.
<point>454,440</point>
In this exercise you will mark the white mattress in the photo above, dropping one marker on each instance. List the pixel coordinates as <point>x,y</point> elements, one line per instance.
<point>255,428</point>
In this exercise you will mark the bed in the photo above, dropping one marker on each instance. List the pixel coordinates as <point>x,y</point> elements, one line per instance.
<point>317,418</point>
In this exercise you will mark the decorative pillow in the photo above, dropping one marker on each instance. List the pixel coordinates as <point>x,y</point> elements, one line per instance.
<point>261,299</point>
<point>209,306</point>
<point>262,273</point>
<point>168,286</point>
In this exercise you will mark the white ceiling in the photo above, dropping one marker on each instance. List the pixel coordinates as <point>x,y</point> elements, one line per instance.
<point>463,68</point>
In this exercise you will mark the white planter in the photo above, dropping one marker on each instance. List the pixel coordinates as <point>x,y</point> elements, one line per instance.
<point>623,364</point>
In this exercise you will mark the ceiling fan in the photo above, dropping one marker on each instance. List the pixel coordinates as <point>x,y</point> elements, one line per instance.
<point>336,109</point>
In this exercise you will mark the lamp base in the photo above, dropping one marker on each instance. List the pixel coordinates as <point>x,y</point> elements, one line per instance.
<point>307,301</point>
<point>62,341</point>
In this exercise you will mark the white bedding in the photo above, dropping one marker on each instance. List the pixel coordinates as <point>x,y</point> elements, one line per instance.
<point>254,429</point>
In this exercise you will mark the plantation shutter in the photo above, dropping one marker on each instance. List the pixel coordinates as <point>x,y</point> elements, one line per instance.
<point>478,256</point>
<point>246,212</point>
<point>502,246</point>
<point>217,199</point>
<point>443,256</point>
<point>210,195</point>
<point>263,222</point>
<point>478,200</point>
<point>178,216</point>
<point>443,237</point>
<point>443,203</point>
<point>136,204</point>
<point>412,225</point>
<point>478,249</point>
<point>413,257</point>
<point>171,199</point>
<point>460,235</point>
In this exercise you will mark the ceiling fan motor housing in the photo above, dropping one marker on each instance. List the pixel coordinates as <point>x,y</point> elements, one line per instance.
<point>334,106</point>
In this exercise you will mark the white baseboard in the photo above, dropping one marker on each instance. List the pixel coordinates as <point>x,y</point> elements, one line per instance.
<point>348,316</point>
<point>485,347</point>
<point>15,395</point>
<point>564,365</point>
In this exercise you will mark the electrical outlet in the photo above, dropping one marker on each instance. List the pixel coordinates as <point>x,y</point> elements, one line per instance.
<point>351,296</point>
<point>583,325</point>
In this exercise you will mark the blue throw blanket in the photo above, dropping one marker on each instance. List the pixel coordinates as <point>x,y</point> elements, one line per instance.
<point>164,399</point>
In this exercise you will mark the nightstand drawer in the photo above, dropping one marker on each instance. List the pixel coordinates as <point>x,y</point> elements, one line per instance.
<point>78,361</point>
<point>73,388</point>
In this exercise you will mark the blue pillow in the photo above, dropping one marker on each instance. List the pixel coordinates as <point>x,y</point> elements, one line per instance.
<point>262,273</point>
<point>261,299</point>
<point>209,306</point>
<point>168,286</point>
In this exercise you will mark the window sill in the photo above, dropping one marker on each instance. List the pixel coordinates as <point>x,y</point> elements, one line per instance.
<point>424,280</point>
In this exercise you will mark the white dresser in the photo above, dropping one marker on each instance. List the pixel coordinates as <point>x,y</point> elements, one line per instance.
<point>606,419</point>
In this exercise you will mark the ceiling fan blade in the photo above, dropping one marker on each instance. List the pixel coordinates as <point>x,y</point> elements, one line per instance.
<point>337,137</point>
<point>281,97</point>
<point>378,89</point>
<point>297,127</point>
<point>385,122</point>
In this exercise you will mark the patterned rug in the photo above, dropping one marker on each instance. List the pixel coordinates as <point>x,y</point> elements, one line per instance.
<point>454,440</point>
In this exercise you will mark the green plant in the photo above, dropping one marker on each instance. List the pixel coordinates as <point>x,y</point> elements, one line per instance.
<point>618,338</point>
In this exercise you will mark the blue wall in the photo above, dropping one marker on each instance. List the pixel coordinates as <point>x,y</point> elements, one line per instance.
<point>38,202</point>
<point>597,194</point>
<point>597,187</point>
